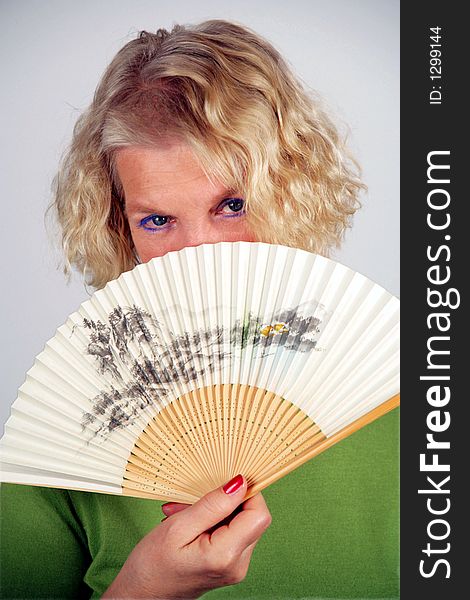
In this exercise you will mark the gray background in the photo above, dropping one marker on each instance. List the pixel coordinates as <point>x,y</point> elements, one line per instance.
<point>53,53</point>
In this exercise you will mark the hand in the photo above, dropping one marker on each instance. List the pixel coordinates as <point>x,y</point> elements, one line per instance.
<point>196,548</point>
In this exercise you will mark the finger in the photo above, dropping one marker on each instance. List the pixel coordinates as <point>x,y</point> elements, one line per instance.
<point>210,510</point>
<point>225,521</point>
<point>170,508</point>
<point>246,554</point>
<point>247,526</point>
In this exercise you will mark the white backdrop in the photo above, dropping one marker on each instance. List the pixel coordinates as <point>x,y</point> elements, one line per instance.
<point>53,53</point>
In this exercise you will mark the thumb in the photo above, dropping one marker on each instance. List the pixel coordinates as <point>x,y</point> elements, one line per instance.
<point>212,508</point>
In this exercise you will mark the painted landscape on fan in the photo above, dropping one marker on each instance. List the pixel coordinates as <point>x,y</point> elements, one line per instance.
<point>147,362</point>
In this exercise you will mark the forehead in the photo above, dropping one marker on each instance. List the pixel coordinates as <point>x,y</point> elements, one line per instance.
<point>169,161</point>
<point>166,166</point>
<point>170,172</point>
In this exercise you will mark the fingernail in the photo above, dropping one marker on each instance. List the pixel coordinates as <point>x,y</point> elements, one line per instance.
<point>233,485</point>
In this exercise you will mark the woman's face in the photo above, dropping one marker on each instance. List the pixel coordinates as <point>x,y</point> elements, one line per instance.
<point>171,204</point>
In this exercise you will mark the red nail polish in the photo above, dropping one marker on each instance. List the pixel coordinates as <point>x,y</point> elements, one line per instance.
<point>233,485</point>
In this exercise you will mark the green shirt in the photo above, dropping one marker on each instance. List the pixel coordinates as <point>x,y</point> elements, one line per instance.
<point>334,532</point>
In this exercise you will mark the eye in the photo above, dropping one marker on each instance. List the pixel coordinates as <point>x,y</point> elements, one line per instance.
<point>232,207</point>
<point>155,222</point>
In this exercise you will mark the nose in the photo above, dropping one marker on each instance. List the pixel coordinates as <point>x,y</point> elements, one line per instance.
<point>197,234</point>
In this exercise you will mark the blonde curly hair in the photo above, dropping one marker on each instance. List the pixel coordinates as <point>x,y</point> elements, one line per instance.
<point>227,93</point>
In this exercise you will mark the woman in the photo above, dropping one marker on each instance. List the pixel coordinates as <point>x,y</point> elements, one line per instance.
<point>198,136</point>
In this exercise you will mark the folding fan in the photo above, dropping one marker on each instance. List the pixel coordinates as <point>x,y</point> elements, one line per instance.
<point>216,360</point>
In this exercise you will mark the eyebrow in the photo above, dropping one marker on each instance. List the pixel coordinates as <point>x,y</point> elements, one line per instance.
<point>142,208</point>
